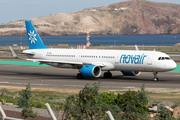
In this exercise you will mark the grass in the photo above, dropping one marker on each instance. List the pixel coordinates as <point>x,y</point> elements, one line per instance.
<point>159,96</point>
<point>171,99</point>
<point>39,98</point>
<point>28,63</point>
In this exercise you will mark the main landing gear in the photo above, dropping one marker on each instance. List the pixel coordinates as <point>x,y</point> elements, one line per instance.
<point>79,76</point>
<point>155,76</point>
<point>107,74</point>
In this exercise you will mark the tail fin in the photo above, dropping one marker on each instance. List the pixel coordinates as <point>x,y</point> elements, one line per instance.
<point>34,39</point>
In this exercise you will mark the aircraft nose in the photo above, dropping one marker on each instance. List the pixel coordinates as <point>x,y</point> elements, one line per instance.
<point>173,65</point>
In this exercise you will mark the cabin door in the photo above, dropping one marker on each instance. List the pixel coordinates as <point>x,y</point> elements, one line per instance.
<point>149,61</point>
<point>116,59</point>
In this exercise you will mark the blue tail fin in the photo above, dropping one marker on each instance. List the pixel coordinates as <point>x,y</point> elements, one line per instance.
<point>34,39</point>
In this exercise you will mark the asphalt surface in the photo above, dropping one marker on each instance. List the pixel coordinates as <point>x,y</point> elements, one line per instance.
<point>50,77</point>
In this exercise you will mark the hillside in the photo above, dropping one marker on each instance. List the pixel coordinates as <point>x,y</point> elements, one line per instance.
<point>130,17</point>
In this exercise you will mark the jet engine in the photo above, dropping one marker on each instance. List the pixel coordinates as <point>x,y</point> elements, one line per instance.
<point>90,71</point>
<point>131,73</point>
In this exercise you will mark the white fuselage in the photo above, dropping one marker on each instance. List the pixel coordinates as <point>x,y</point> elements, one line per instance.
<point>111,60</point>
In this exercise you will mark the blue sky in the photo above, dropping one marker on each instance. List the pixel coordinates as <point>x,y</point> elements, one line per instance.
<point>11,10</point>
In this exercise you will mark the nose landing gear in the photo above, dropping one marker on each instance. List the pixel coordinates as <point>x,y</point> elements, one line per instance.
<point>155,76</point>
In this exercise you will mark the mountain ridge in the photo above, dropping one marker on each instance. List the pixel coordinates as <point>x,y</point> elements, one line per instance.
<point>127,18</point>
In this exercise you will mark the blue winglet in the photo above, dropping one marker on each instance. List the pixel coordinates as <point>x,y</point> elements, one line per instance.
<point>34,39</point>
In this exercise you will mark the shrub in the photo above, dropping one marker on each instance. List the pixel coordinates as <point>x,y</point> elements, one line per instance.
<point>85,105</point>
<point>89,104</point>
<point>134,104</point>
<point>164,114</point>
<point>24,100</point>
<point>28,112</point>
<point>108,98</point>
<point>3,101</point>
<point>123,100</point>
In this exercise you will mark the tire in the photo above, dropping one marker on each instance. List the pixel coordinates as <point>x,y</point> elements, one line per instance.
<point>107,75</point>
<point>155,79</point>
<point>79,76</point>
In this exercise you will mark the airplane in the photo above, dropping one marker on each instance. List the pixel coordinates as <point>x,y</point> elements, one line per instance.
<point>91,62</point>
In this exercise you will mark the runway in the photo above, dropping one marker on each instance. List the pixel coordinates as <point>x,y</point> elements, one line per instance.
<point>50,77</point>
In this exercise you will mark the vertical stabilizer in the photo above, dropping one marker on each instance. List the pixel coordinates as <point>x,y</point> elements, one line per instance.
<point>34,39</point>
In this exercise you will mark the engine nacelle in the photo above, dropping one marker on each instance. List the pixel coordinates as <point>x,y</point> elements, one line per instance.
<point>131,73</point>
<point>90,71</point>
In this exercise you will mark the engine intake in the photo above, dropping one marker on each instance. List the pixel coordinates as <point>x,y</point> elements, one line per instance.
<point>131,73</point>
<point>91,71</point>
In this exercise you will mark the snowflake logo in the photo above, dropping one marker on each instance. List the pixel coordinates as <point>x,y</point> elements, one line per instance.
<point>32,37</point>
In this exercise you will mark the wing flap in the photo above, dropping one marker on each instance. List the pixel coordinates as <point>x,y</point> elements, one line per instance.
<point>68,62</point>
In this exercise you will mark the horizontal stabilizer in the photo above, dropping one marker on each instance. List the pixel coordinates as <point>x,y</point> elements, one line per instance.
<point>27,53</point>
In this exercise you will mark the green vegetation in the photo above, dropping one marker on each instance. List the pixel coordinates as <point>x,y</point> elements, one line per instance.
<point>38,98</point>
<point>90,103</point>
<point>28,112</point>
<point>85,105</point>
<point>164,114</point>
<point>24,101</point>
<point>3,101</point>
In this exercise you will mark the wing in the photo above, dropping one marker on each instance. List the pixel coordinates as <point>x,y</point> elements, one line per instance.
<point>55,61</point>
<point>103,65</point>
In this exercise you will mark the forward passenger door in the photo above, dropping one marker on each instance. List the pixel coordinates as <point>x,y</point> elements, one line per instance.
<point>149,59</point>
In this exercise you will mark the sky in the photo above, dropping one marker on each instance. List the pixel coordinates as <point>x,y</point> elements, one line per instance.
<point>12,10</point>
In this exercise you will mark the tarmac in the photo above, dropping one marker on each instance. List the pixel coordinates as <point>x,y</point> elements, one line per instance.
<point>50,77</point>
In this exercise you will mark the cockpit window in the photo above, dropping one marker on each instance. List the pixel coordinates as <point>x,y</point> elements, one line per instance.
<point>164,58</point>
<point>167,58</point>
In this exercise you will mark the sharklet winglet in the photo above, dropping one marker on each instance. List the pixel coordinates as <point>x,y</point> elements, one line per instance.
<point>13,53</point>
<point>136,48</point>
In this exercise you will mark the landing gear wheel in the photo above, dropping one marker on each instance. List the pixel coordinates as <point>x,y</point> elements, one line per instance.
<point>79,76</point>
<point>107,74</point>
<point>155,76</point>
<point>155,79</point>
